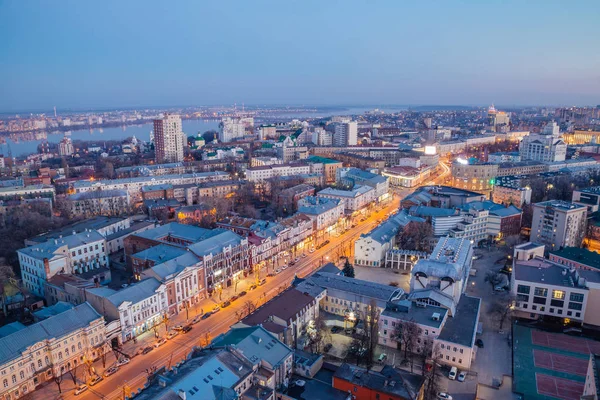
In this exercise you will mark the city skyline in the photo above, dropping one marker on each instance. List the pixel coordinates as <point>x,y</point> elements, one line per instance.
<point>271,53</point>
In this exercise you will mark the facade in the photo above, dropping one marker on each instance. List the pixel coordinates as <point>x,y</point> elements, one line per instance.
<point>591,389</point>
<point>291,196</point>
<point>547,146</point>
<point>27,192</point>
<point>169,139</point>
<point>324,212</point>
<point>35,354</point>
<point>575,257</point>
<point>499,158</point>
<point>558,224</point>
<point>65,147</point>
<point>74,254</point>
<point>588,197</point>
<point>326,167</point>
<point>258,174</point>
<point>354,200</point>
<point>407,176</point>
<point>355,176</point>
<point>231,129</point>
<point>346,134</point>
<point>509,191</point>
<point>100,202</point>
<point>321,137</point>
<point>477,177</point>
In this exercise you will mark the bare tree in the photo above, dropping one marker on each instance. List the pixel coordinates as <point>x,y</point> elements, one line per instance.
<point>502,308</point>
<point>320,334</point>
<point>371,332</point>
<point>434,375</point>
<point>494,278</point>
<point>425,354</point>
<point>415,236</point>
<point>406,334</point>
<point>57,377</point>
<point>249,308</point>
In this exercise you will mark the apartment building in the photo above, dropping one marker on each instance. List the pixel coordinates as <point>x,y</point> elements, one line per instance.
<point>546,146</point>
<point>558,224</point>
<point>50,348</point>
<point>326,167</point>
<point>323,211</point>
<point>258,174</point>
<point>98,202</point>
<point>169,139</point>
<point>355,176</point>
<point>588,197</point>
<point>27,192</point>
<point>231,129</point>
<point>477,177</point>
<point>354,200</point>
<point>508,190</point>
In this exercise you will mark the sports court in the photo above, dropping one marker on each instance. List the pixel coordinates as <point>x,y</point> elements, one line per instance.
<point>550,365</point>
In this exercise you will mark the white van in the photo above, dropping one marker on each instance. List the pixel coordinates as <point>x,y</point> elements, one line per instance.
<point>452,374</point>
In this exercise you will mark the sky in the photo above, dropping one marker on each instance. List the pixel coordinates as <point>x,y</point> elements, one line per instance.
<point>112,53</point>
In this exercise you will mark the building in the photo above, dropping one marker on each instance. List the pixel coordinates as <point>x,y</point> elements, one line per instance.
<point>321,137</point>
<point>558,224</point>
<point>50,348</point>
<point>355,176</point>
<point>272,358</point>
<point>354,200</point>
<point>169,139</point>
<point>158,192</point>
<point>346,134</point>
<point>65,147</point>
<point>27,192</point>
<point>324,212</point>
<point>360,161</point>
<point>74,254</point>
<point>588,197</point>
<point>497,119</point>
<point>477,177</point>
<point>407,176</point>
<point>508,190</point>
<point>547,146</point>
<point>442,279</point>
<point>258,174</point>
<point>576,257</point>
<point>231,129</point>
<point>591,389</point>
<point>224,153</point>
<point>289,316</point>
<point>138,307</point>
<point>370,248</point>
<point>391,383</point>
<point>499,158</point>
<point>264,160</point>
<point>98,202</point>
<point>290,197</point>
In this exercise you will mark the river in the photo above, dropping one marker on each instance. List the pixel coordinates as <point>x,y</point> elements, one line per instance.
<point>27,143</point>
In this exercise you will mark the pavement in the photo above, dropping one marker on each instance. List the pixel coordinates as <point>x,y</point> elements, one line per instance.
<point>134,375</point>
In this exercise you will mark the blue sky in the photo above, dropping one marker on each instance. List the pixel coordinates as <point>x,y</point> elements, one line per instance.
<point>86,54</point>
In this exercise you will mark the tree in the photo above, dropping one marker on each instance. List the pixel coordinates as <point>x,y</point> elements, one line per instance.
<point>415,236</point>
<point>371,332</point>
<point>494,278</point>
<point>73,373</point>
<point>348,269</point>
<point>434,375</point>
<point>209,136</point>
<point>406,334</point>
<point>502,308</point>
<point>58,377</point>
<point>425,354</point>
<point>249,307</point>
<point>319,334</point>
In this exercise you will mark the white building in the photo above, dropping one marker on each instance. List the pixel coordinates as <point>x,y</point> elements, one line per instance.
<point>324,212</point>
<point>138,307</point>
<point>442,279</point>
<point>354,200</point>
<point>169,139</point>
<point>321,137</point>
<point>77,253</point>
<point>558,224</point>
<point>258,174</point>
<point>65,147</point>
<point>547,146</point>
<point>356,176</point>
<point>231,129</point>
<point>346,134</point>
<point>35,354</point>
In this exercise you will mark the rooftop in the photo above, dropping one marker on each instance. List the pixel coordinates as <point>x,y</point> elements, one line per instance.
<point>176,230</point>
<point>314,389</point>
<point>12,345</point>
<point>358,287</point>
<point>388,229</point>
<point>461,328</point>
<point>47,312</point>
<point>142,179</point>
<point>316,205</point>
<point>358,190</point>
<point>543,271</point>
<point>284,306</point>
<point>160,253</point>
<point>406,310</point>
<point>152,188</point>
<point>582,256</point>
<point>216,243</point>
<point>560,205</point>
<point>97,194</point>
<point>322,160</point>
<point>96,223</point>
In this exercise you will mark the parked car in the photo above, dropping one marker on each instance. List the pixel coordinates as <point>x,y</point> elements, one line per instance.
<point>262,282</point>
<point>95,380</point>
<point>80,389</point>
<point>382,358</point>
<point>111,371</point>
<point>479,343</point>
<point>160,342</point>
<point>296,259</point>
<point>283,267</point>
<point>172,334</point>
<point>216,309</point>
<point>124,285</point>
<point>452,374</point>
<point>243,293</point>
<point>462,376</point>
<point>206,315</point>
<point>225,304</point>
<point>147,349</point>
<point>312,250</point>
<point>234,298</point>
<point>123,361</point>
<point>303,255</point>
<point>300,382</point>
<point>327,347</point>
<point>196,319</point>
<point>444,396</point>
<point>187,328</point>
<point>252,287</point>
<point>178,327</point>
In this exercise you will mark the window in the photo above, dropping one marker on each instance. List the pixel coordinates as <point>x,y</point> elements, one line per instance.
<point>523,289</point>
<point>39,363</point>
<point>569,313</point>
<point>541,292</point>
<point>539,300</point>
<point>14,379</point>
<point>557,303</point>
<point>578,314</point>
<point>575,306</point>
<point>523,297</point>
<point>560,311</point>
<point>5,382</point>
<point>534,307</point>
<point>578,297</point>
<point>558,294</point>
<point>22,374</point>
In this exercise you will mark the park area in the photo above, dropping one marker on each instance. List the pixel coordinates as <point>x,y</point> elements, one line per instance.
<point>550,365</point>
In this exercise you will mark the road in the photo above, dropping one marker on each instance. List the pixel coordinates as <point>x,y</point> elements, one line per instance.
<point>134,374</point>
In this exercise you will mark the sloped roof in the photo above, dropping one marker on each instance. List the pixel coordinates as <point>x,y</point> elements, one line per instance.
<point>135,293</point>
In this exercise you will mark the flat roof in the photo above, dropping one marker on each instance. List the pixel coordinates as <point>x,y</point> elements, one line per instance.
<point>580,255</point>
<point>461,328</point>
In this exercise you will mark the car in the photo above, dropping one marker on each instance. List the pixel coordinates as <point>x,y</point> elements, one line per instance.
<point>172,334</point>
<point>336,329</point>
<point>225,304</point>
<point>124,285</point>
<point>187,328</point>
<point>80,389</point>
<point>479,343</point>
<point>160,342</point>
<point>122,361</point>
<point>278,270</point>
<point>196,319</point>
<point>296,259</point>
<point>462,376</point>
<point>300,382</point>
<point>327,347</point>
<point>243,293</point>
<point>304,255</point>
<point>95,380</point>
<point>206,315</point>
<point>354,225</point>
<point>270,275</point>
<point>111,371</point>
<point>283,267</point>
<point>178,327</point>
<point>216,309</point>
<point>147,349</point>
<point>312,250</point>
<point>262,282</point>
<point>428,367</point>
<point>452,374</point>
<point>252,287</point>
<point>444,396</point>
<point>382,358</point>
<point>234,298</point>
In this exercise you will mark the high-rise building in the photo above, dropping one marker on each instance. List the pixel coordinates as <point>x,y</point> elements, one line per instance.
<point>169,139</point>
<point>346,134</point>
<point>558,224</point>
<point>231,129</point>
<point>321,137</point>
<point>547,146</point>
<point>497,118</point>
<point>65,147</point>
